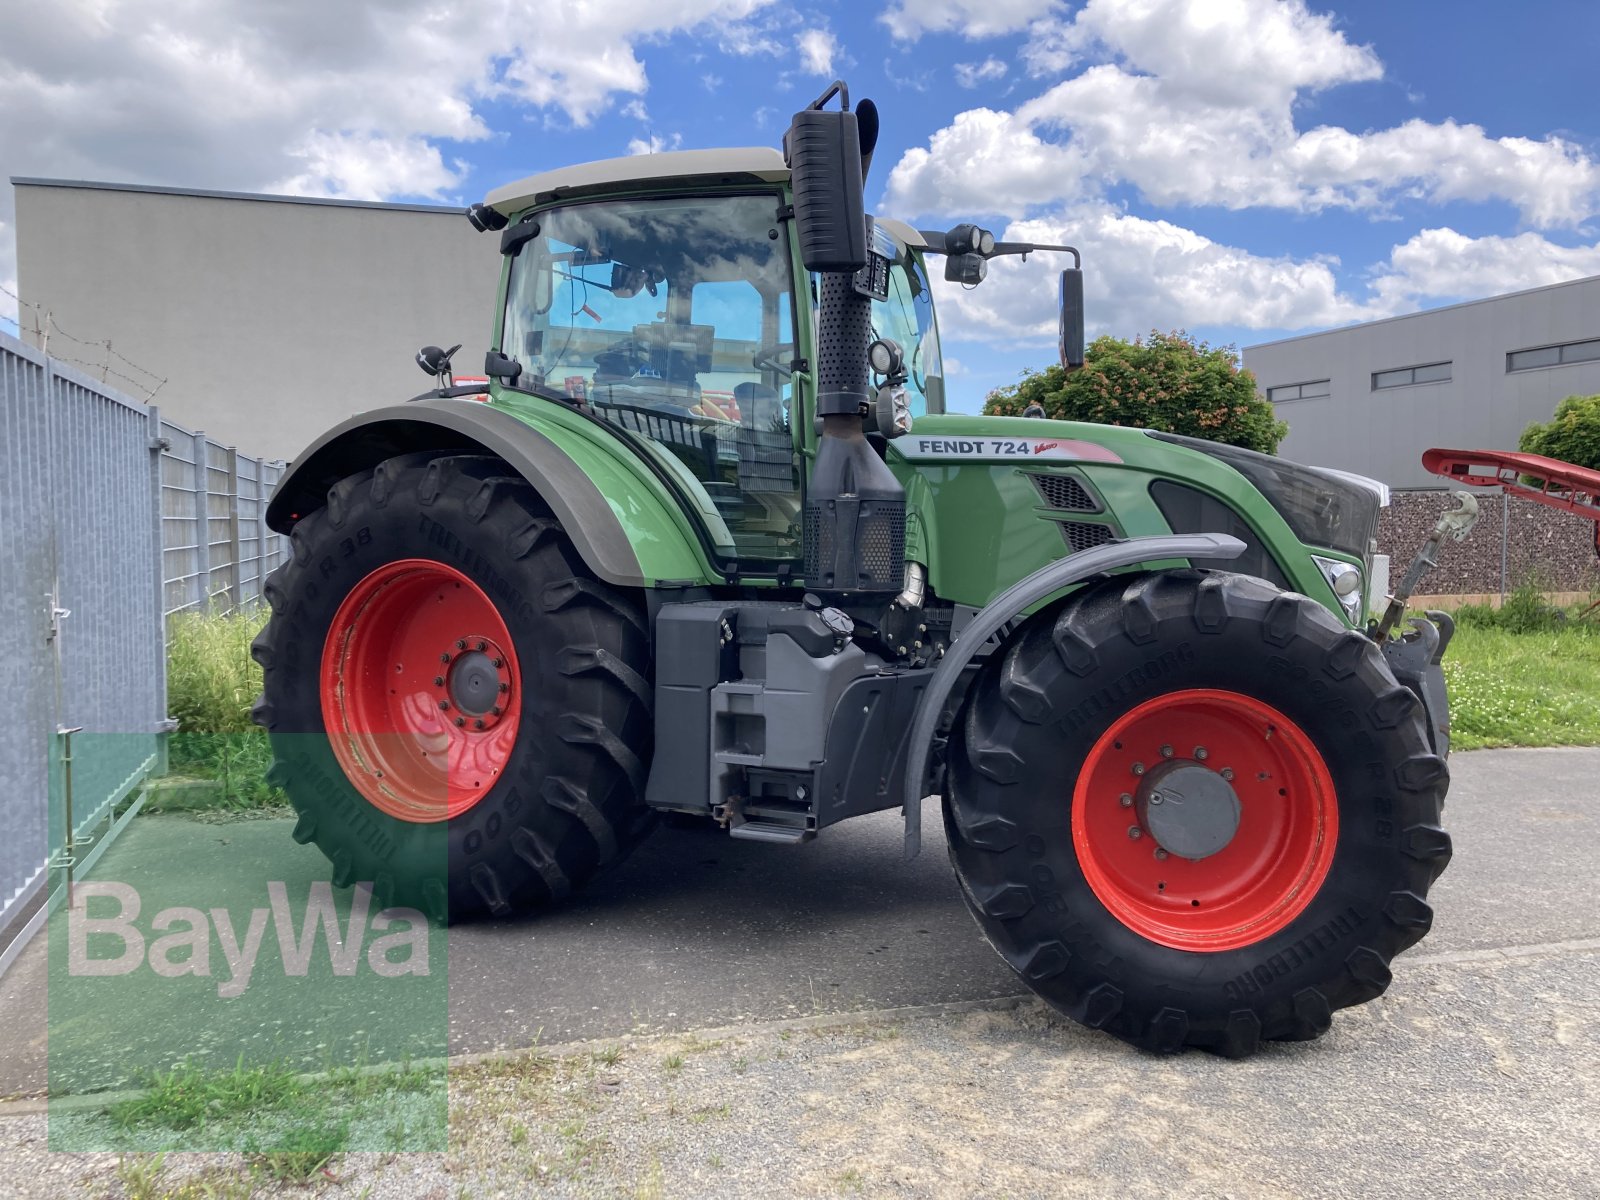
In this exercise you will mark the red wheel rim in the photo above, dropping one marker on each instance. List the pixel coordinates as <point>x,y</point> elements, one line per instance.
<point>1278,857</point>
<point>420,690</point>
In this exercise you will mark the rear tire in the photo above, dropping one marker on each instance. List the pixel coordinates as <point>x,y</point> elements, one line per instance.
<point>1328,878</point>
<point>562,796</point>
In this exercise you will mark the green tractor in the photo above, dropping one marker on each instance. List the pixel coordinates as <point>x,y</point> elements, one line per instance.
<point>704,541</point>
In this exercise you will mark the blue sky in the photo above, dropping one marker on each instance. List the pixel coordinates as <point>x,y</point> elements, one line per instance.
<point>1240,168</point>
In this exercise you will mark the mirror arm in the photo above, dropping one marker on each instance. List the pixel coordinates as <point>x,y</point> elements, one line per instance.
<point>1027,248</point>
<point>938,243</point>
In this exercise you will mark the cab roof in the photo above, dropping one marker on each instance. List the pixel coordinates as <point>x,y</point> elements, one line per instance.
<point>736,164</point>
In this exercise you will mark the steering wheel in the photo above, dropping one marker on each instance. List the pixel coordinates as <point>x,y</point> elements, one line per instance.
<point>766,358</point>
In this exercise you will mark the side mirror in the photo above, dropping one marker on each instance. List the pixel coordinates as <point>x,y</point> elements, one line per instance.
<point>966,269</point>
<point>501,366</point>
<point>1072,318</point>
<point>823,152</point>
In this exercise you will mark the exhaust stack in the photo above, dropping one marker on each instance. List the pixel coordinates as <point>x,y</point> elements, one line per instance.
<point>855,516</point>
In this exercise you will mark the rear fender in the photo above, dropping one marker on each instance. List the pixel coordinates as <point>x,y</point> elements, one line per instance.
<point>636,540</point>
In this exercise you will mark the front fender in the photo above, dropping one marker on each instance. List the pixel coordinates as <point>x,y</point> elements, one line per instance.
<point>1007,606</point>
<point>636,540</point>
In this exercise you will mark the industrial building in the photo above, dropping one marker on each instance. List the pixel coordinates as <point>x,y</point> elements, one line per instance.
<point>269,318</point>
<point>1371,398</point>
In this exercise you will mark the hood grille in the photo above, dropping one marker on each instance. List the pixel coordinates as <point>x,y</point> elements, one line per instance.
<point>1065,493</point>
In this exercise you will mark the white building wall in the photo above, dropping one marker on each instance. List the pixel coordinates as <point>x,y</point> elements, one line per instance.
<point>1383,433</point>
<point>271,319</point>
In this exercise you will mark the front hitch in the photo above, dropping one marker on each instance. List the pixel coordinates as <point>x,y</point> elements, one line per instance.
<point>1416,658</point>
<point>1456,524</point>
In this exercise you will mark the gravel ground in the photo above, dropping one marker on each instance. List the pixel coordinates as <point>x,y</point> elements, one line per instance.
<point>1478,1074</point>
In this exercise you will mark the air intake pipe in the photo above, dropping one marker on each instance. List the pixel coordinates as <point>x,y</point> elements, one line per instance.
<point>855,516</point>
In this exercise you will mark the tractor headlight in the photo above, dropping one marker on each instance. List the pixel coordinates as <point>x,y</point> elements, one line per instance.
<point>1345,580</point>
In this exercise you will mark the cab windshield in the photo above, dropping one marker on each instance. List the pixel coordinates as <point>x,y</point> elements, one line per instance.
<point>907,317</point>
<point>672,319</point>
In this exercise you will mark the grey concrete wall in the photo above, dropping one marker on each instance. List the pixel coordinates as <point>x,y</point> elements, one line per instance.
<point>1383,433</point>
<point>270,321</point>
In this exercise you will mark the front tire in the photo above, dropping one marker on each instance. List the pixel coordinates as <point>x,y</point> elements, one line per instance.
<point>459,711</point>
<point>1308,833</point>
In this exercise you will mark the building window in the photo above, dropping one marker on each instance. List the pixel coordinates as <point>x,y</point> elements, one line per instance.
<point>1406,376</point>
<point>1298,391</point>
<point>1554,356</point>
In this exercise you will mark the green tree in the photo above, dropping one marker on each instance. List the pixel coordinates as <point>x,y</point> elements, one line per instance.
<point>1572,435</point>
<point>1168,381</point>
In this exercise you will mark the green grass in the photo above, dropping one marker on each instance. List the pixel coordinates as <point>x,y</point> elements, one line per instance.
<point>304,1151</point>
<point>211,683</point>
<point>187,1095</point>
<point>1524,689</point>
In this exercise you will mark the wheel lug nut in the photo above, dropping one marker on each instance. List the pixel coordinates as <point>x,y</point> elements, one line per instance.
<point>495,710</point>
<point>1125,800</point>
<point>1161,855</point>
<point>478,724</point>
<point>444,658</point>
<point>444,704</point>
<point>1138,768</point>
<point>438,681</point>
<point>498,663</point>
<point>482,646</point>
<point>1135,832</point>
<point>1166,752</point>
<point>460,721</point>
<point>460,644</point>
<point>505,687</point>
<point>1200,753</point>
<point>1227,773</point>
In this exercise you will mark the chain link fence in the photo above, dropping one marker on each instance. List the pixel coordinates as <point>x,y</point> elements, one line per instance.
<point>112,518</point>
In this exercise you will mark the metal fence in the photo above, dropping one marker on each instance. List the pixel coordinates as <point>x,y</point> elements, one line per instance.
<point>216,549</point>
<point>111,519</point>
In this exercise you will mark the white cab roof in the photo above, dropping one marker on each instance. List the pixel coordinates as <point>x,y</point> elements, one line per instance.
<point>763,162</point>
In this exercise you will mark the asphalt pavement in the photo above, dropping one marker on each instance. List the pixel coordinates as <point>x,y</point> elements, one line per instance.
<point>699,930</point>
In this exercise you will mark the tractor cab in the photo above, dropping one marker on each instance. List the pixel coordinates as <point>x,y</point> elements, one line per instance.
<point>673,316</point>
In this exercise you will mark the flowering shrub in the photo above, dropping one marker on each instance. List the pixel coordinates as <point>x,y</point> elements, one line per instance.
<point>1168,381</point>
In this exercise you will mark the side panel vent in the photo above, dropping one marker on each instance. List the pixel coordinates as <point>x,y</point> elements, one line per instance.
<point>1082,535</point>
<point>1065,493</point>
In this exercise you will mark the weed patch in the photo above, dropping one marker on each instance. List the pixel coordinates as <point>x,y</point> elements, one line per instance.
<point>211,683</point>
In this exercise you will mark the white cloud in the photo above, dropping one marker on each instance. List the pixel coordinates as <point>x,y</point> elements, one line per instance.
<point>367,167</point>
<point>654,144</point>
<point>1443,264</point>
<point>970,75</point>
<point>983,163</point>
<point>353,98</point>
<point>817,48</point>
<point>1221,51</point>
<point>908,20</point>
<point>1196,107</point>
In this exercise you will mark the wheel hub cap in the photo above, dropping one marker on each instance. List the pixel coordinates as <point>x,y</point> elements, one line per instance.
<point>421,692</point>
<point>1190,810</point>
<point>477,683</point>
